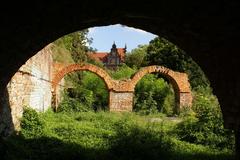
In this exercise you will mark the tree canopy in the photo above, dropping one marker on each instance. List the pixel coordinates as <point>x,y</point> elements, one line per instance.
<point>164,53</point>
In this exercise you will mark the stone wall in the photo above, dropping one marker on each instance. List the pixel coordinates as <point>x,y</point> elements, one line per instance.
<point>31,85</point>
<point>185,99</point>
<point>120,101</point>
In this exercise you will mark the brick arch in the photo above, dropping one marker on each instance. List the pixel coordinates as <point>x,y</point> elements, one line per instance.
<point>79,67</point>
<point>179,81</point>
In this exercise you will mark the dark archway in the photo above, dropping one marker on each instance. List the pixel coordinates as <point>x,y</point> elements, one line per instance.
<point>207,30</point>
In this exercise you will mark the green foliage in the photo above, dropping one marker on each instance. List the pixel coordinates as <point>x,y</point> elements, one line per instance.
<point>169,103</point>
<point>106,135</point>
<point>99,90</point>
<point>136,58</point>
<point>89,93</point>
<point>87,90</point>
<point>69,104</point>
<point>151,94</point>
<point>147,105</point>
<point>122,72</point>
<point>61,54</point>
<point>78,46</point>
<point>31,123</point>
<point>162,52</point>
<point>72,47</point>
<point>206,125</point>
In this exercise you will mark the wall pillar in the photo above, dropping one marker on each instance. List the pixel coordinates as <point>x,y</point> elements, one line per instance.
<point>120,101</point>
<point>185,99</point>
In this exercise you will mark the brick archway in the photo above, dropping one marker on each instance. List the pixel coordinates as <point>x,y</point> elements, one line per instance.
<point>58,75</point>
<point>121,91</point>
<point>181,86</point>
<point>121,96</point>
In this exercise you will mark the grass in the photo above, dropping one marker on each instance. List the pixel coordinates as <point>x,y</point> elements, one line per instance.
<point>103,135</point>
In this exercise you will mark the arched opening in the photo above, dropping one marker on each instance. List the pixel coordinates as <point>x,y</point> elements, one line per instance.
<point>179,81</point>
<point>79,67</point>
<point>154,94</point>
<point>81,91</point>
<point>181,27</point>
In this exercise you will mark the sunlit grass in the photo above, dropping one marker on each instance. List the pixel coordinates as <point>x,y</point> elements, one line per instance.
<point>105,135</point>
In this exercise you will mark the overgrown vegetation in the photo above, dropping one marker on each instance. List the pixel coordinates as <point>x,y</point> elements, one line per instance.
<point>153,95</point>
<point>164,53</point>
<point>103,135</point>
<point>205,125</point>
<point>89,93</point>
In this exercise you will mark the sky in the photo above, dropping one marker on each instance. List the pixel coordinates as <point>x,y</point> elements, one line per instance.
<point>103,37</point>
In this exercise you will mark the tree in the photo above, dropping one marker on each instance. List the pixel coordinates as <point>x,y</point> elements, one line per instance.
<point>77,44</point>
<point>136,58</point>
<point>150,95</point>
<point>162,52</point>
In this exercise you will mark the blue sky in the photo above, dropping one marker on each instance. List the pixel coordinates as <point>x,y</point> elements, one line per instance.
<point>103,37</point>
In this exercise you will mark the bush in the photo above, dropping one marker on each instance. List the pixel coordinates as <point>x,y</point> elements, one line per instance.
<point>96,85</point>
<point>153,94</point>
<point>206,125</point>
<point>31,123</point>
<point>88,91</point>
<point>169,104</point>
<point>69,104</point>
<point>122,72</point>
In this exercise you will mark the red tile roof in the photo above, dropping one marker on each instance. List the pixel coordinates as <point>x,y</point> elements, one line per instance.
<point>102,56</point>
<point>121,53</point>
<point>98,56</point>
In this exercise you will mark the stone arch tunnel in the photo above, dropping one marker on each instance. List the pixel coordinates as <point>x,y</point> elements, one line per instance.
<point>207,30</point>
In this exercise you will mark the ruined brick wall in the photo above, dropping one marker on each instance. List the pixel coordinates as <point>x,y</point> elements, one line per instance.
<point>121,92</point>
<point>60,70</point>
<point>185,99</point>
<point>179,81</point>
<point>31,85</point>
<point>121,101</point>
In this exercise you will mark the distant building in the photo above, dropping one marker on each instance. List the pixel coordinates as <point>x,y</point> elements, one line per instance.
<point>111,60</point>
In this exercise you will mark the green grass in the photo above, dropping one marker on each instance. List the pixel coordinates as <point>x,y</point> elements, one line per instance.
<point>103,135</point>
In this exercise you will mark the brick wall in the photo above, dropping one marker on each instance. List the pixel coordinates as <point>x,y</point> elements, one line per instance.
<point>31,85</point>
<point>121,91</point>
<point>120,101</point>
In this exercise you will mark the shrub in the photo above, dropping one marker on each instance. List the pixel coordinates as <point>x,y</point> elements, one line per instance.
<point>31,123</point>
<point>169,104</point>
<point>147,105</point>
<point>122,72</point>
<point>153,94</point>
<point>72,105</point>
<point>206,125</point>
<point>88,91</point>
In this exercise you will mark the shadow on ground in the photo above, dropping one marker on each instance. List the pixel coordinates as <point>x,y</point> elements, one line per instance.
<point>133,145</point>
